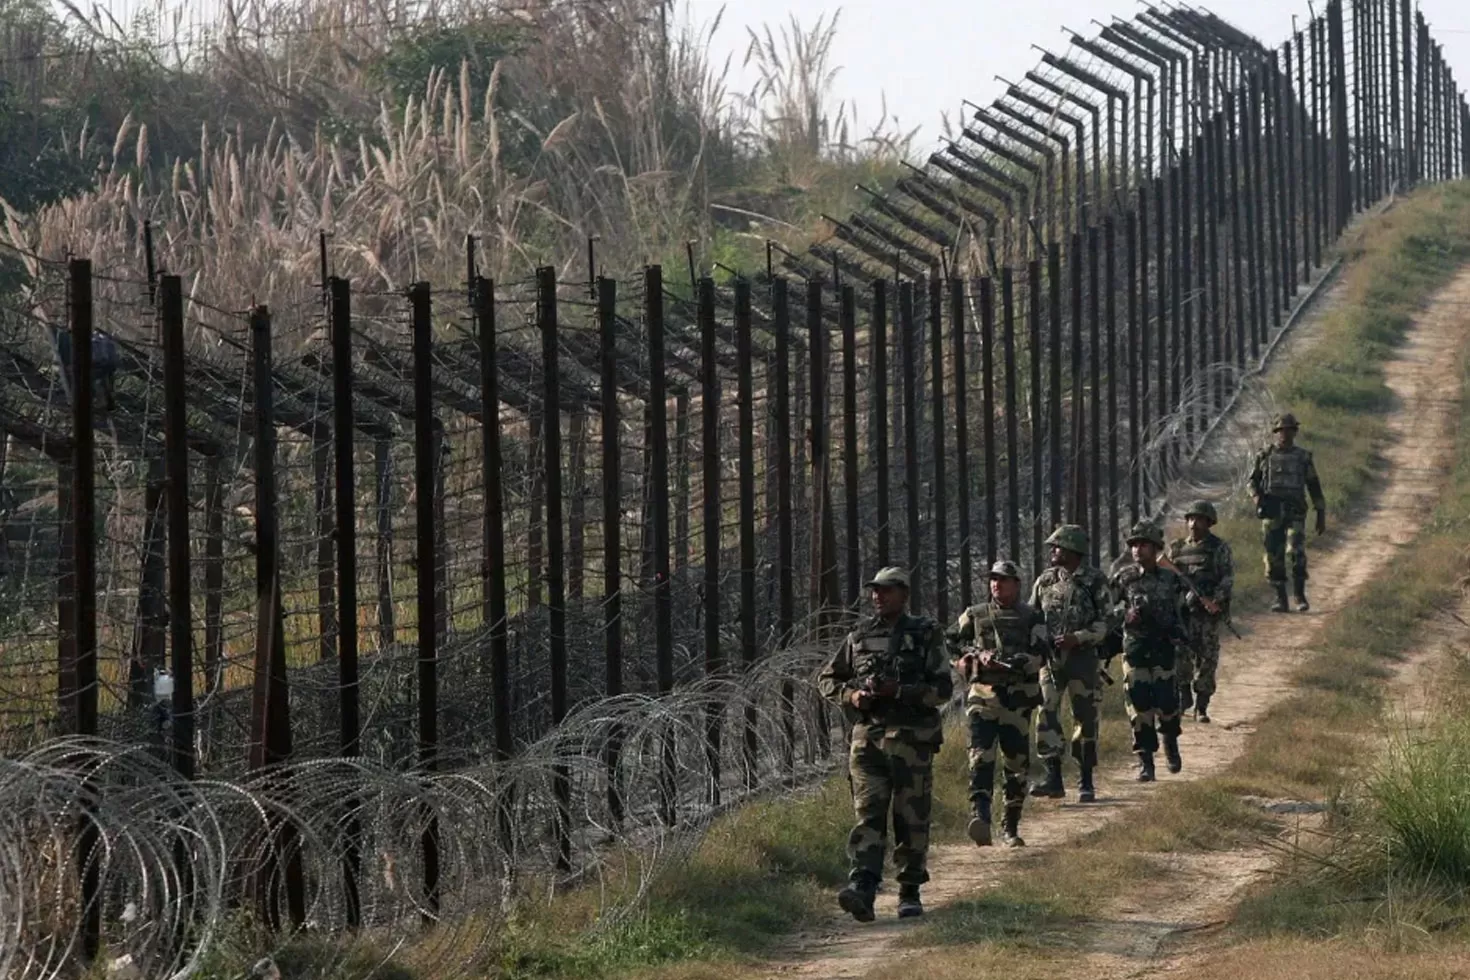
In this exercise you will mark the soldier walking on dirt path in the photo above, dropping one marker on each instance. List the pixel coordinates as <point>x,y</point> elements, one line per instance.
<point>1151,605</point>
<point>1073,598</point>
<point>1281,478</point>
<point>1205,558</point>
<point>1000,646</point>
<point>890,677</point>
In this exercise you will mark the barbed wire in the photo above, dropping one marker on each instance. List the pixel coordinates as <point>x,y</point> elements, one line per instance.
<point>182,863</point>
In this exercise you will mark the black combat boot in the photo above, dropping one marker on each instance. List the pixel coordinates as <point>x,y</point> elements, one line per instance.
<point>1202,709</point>
<point>979,828</point>
<point>909,905</point>
<point>1280,605</point>
<point>1171,753</point>
<point>1145,767</point>
<point>1085,792</point>
<point>857,900</point>
<point>1302,605</point>
<point>1011,829</point>
<point>1051,787</point>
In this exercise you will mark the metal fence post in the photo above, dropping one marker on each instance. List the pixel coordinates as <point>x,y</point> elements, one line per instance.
<point>938,421</point>
<point>1012,410</point>
<point>556,598</point>
<point>271,739</point>
<point>909,343</point>
<point>83,574</point>
<point>176,454</point>
<point>493,556</point>
<point>612,524</point>
<point>852,445</point>
<point>709,416</point>
<point>426,442</point>
<point>785,544</point>
<point>345,489</point>
<point>878,417</point>
<point>1037,428</point>
<point>745,388</point>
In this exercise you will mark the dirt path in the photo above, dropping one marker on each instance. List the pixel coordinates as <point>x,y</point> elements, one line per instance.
<point>1194,890</point>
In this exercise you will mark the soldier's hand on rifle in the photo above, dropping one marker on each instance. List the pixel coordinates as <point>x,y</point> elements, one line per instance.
<point>1133,617</point>
<point>860,699</point>
<point>1321,520</point>
<point>1068,642</point>
<point>967,665</point>
<point>886,688</point>
<point>1210,606</point>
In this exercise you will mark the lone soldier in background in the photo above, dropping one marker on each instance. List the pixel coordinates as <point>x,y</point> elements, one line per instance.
<point>1150,602</point>
<point>1205,559</point>
<point>1001,645</point>
<point>1073,598</point>
<point>890,677</point>
<point>1281,479</point>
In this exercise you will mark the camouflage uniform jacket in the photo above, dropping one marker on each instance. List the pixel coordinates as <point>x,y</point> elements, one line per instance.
<point>1158,598</point>
<point>1074,602</point>
<point>910,651</point>
<point>1209,565</point>
<point>1287,475</point>
<point>1018,638</point>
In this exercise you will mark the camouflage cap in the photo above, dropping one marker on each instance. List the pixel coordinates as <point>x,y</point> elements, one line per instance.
<point>892,575</point>
<point>1005,569</point>
<point>1146,531</point>
<point>1070,536</point>
<point>1202,508</point>
<point>1285,421</point>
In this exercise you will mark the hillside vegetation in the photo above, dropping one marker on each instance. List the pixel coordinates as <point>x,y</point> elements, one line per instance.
<point>533,125</point>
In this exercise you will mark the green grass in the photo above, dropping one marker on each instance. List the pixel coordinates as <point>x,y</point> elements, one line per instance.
<point>1020,918</point>
<point>1397,865</point>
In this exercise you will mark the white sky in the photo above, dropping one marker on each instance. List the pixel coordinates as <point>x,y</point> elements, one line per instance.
<point>924,56</point>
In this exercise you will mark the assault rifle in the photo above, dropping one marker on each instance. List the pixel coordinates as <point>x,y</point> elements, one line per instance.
<point>1166,562</point>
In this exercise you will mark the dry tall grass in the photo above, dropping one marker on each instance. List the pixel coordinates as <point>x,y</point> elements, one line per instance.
<point>532,125</point>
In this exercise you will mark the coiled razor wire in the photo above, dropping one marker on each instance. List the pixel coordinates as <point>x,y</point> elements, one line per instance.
<point>1220,469</point>
<point>198,875</point>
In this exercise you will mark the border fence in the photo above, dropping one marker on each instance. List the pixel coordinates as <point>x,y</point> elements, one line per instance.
<point>383,609</point>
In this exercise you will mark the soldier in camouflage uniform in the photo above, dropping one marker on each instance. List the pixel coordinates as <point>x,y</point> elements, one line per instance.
<point>1001,646</point>
<point>1205,559</point>
<point>1281,478</point>
<point>890,677</point>
<point>1073,598</point>
<point>1151,605</point>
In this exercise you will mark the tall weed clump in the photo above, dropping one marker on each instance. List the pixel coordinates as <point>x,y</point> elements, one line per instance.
<point>1420,805</point>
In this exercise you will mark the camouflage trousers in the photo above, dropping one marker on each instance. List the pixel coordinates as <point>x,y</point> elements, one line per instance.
<point>890,775</point>
<point>997,729</point>
<point>1286,533</point>
<point>1078,677</point>
<point>1152,694</point>
<point>1195,665</point>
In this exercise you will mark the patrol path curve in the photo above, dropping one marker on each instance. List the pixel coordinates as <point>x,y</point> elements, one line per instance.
<point>1424,376</point>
